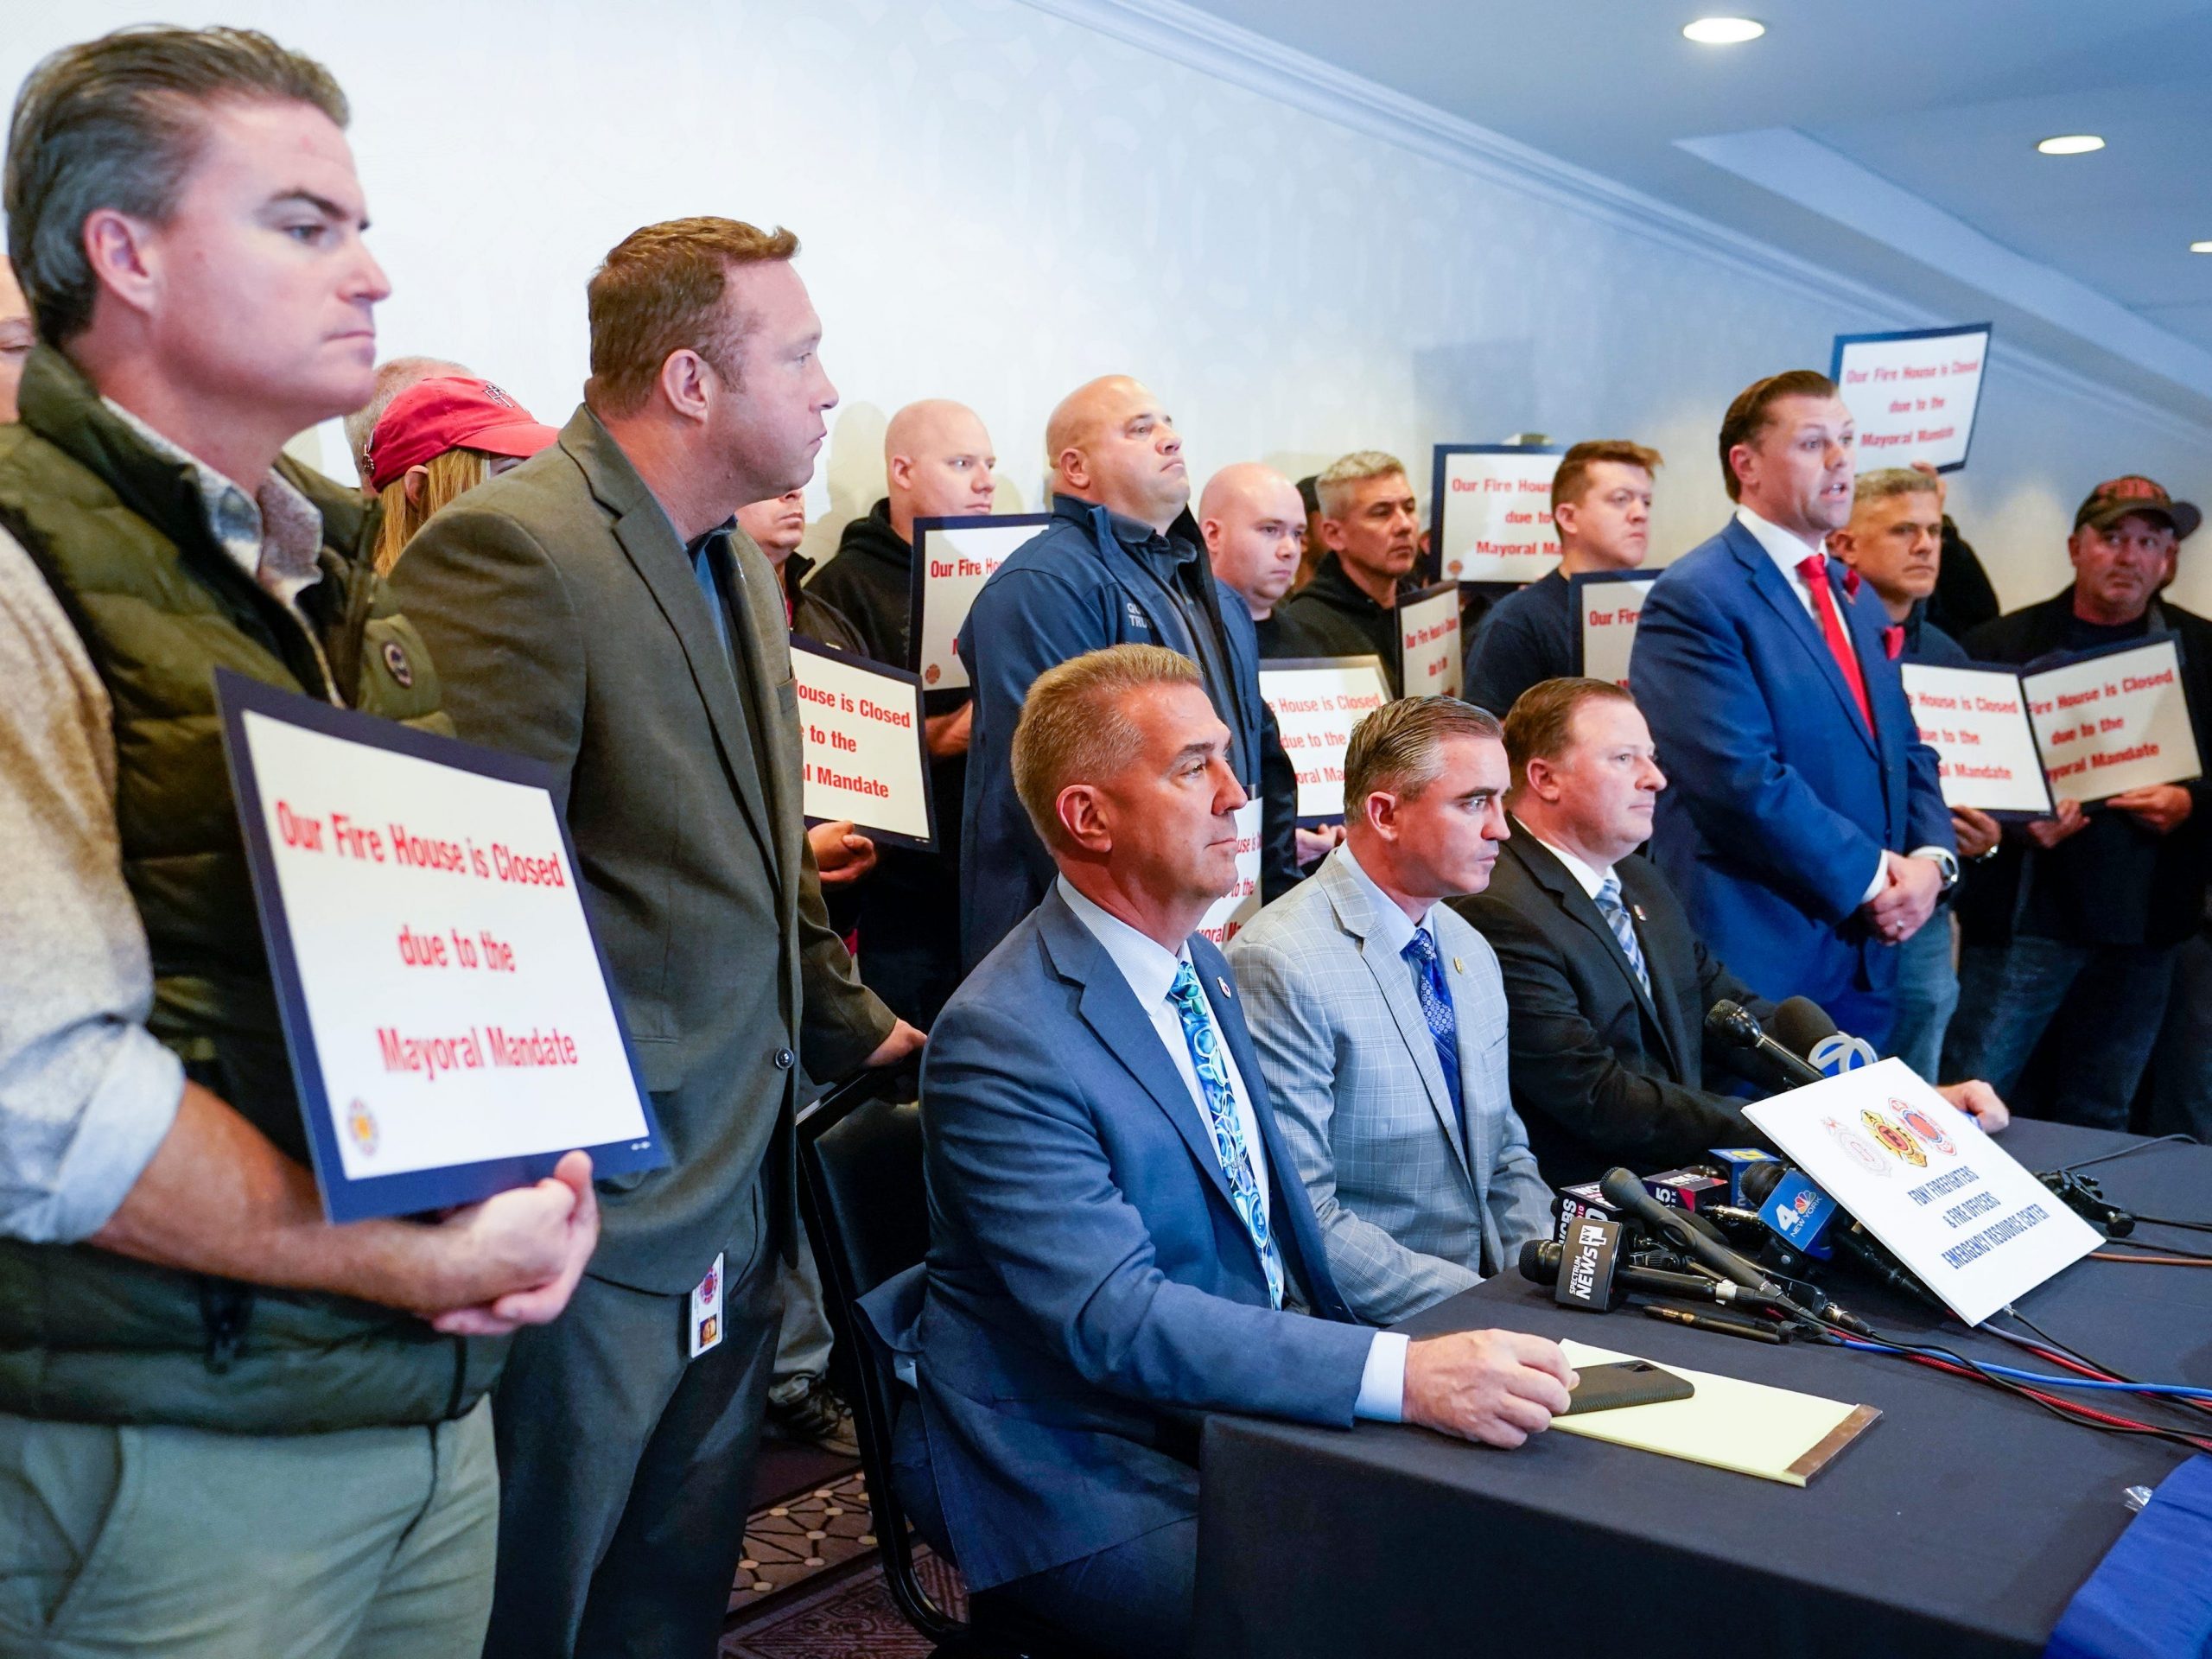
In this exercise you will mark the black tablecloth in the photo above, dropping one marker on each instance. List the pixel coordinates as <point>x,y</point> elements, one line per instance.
<point>1959,1525</point>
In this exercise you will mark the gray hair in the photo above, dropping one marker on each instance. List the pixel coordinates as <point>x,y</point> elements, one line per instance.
<point>1075,728</point>
<point>1399,749</point>
<point>394,376</point>
<point>1887,483</point>
<point>1330,485</point>
<point>117,123</point>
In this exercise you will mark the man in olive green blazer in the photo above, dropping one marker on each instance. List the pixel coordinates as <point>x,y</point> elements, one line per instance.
<point>596,609</point>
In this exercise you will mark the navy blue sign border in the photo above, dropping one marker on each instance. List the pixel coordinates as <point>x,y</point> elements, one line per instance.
<point>912,682</point>
<point>345,1198</point>
<point>1986,330</point>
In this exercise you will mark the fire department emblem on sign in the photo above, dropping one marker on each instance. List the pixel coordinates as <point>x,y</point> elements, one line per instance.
<point>1856,1147</point>
<point>1892,1134</point>
<point>361,1124</point>
<point>1926,1128</point>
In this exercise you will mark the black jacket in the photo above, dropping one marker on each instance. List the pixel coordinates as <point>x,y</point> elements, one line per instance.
<point>1603,1074</point>
<point>869,581</point>
<point>1330,617</point>
<point>2118,881</point>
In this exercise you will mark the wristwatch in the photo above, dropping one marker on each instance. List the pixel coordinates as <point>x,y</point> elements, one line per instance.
<point>1946,862</point>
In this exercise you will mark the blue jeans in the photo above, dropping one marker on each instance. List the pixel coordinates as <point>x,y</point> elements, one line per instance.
<point>1928,989</point>
<point>2100,1005</point>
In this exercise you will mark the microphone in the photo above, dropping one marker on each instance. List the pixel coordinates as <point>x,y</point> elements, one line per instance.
<point>2081,1194</point>
<point>1625,1193</point>
<point>1733,1026</point>
<point>1803,1028</point>
<point>1541,1260</point>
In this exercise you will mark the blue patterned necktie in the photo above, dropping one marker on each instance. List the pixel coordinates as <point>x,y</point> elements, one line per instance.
<point>1213,1068</point>
<point>1617,918</point>
<point>1436,1008</point>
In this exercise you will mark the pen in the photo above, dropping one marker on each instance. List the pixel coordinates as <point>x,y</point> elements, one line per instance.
<point>1726,1323</point>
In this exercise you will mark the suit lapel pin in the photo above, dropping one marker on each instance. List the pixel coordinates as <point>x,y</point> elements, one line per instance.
<point>1227,995</point>
<point>1458,967</point>
<point>1636,911</point>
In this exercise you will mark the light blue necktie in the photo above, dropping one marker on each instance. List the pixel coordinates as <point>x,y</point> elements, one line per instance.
<point>1212,1066</point>
<point>1618,918</point>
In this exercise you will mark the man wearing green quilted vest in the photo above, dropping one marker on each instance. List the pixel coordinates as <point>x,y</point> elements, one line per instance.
<point>227,1428</point>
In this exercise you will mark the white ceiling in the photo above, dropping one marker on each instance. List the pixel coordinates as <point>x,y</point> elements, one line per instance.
<point>1889,141</point>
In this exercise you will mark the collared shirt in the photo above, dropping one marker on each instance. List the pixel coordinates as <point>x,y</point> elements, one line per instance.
<point>1786,549</point>
<point>1150,968</point>
<point>1591,880</point>
<point>1396,928</point>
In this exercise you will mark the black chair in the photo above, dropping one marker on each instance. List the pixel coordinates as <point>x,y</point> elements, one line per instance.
<point>867,1211</point>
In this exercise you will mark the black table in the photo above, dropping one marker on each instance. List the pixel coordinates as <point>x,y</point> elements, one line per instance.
<point>1961,1524</point>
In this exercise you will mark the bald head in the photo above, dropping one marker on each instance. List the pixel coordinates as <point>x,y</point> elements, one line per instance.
<point>1254,527</point>
<point>15,337</point>
<point>1110,442</point>
<point>937,463</point>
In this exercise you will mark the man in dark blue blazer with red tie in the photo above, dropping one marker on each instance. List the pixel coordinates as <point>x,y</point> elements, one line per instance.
<point>1805,830</point>
<point>1119,1240</point>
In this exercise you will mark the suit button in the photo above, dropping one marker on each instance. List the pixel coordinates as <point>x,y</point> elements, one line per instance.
<point>784,1058</point>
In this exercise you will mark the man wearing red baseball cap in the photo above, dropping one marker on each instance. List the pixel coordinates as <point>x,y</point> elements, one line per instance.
<point>437,441</point>
<point>2076,920</point>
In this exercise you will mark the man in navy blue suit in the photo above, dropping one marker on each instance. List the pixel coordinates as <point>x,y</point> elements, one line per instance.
<point>1120,1242</point>
<point>1806,829</point>
<point>1120,561</point>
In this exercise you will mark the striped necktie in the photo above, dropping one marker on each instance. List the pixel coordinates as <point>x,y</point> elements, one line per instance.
<point>1624,927</point>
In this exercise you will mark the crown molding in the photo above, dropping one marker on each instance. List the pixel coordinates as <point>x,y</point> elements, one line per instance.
<point>1198,40</point>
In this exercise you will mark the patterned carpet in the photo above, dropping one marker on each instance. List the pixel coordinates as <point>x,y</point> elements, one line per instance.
<point>809,1585</point>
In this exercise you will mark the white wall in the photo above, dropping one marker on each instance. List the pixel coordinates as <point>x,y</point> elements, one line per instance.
<point>996,204</point>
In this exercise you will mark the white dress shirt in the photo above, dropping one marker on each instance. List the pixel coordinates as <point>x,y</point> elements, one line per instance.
<point>1786,549</point>
<point>1150,968</point>
<point>1591,880</point>
<point>1397,929</point>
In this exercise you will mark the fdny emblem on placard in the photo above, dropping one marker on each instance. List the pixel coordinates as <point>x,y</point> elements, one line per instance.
<point>361,1124</point>
<point>1926,1128</point>
<point>1892,1134</point>
<point>1856,1146</point>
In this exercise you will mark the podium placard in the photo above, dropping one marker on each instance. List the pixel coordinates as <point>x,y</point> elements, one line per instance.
<point>1913,395</point>
<point>1607,606</point>
<point>2112,720</point>
<point>953,558</point>
<point>1921,1176</point>
<point>1976,719</point>
<point>1316,702</point>
<point>1431,660</point>
<point>863,752</point>
<point>450,1017</point>
<point>1489,513</point>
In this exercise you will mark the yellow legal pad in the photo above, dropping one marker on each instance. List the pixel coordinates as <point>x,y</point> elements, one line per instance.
<point>1775,1434</point>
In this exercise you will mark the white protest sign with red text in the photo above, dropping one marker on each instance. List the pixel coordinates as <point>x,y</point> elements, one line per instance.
<point>1241,902</point>
<point>1430,661</point>
<point>1490,513</point>
<point>1606,609</point>
<point>446,1006</point>
<point>860,745</point>
<point>1912,396</point>
<point>1316,700</point>
<point>953,558</point>
<point>2114,721</point>
<point>1976,719</point>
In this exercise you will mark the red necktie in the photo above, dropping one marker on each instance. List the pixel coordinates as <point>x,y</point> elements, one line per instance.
<point>1813,567</point>
<point>1893,641</point>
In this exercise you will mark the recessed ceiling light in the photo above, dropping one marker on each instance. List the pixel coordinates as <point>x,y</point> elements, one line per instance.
<point>2200,247</point>
<point>1723,31</point>
<point>2071,143</point>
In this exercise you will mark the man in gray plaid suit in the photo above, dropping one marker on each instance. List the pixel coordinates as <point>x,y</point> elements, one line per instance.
<point>1379,1016</point>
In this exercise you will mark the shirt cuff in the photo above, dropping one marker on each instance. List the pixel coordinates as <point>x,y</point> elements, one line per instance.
<point>122,1126</point>
<point>1382,1383</point>
<point>1881,878</point>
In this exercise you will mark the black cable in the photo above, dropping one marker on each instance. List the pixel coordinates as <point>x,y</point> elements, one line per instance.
<point>2146,1246</point>
<point>2130,1151</point>
<point>2165,1221</point>
<point>2055,1346</point>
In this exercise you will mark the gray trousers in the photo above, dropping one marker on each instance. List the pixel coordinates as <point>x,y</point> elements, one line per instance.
<point>367,1543</point>
<point>627,1467</point>
<point>804,1342</point>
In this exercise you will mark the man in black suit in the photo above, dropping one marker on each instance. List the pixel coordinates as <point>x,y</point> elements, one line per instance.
<point>597,609</point>
<point>1607,984</point>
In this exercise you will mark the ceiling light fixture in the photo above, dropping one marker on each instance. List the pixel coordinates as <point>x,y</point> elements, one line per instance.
<point>2071,143</point>
<point>1723,31</point>
<point>2200,247</point>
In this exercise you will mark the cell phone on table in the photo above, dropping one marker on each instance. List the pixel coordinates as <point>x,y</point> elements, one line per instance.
<point>1626,1383</point>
